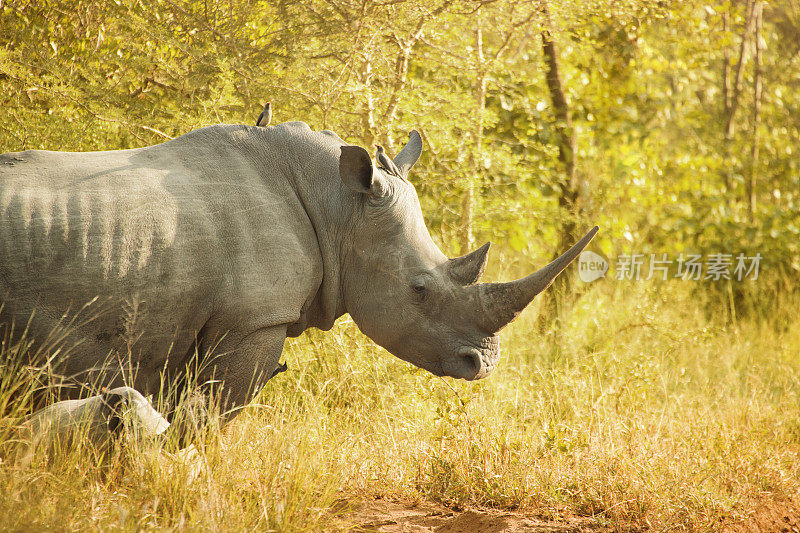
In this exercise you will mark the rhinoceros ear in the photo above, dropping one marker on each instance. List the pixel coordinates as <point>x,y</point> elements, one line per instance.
<point>358,172</point>
<point>410,153</point>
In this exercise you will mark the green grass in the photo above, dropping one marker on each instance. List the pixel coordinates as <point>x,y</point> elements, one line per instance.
<point>640,412</point>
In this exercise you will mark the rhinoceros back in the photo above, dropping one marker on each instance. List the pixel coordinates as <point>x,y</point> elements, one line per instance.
<point>92,214</point>
<point>163,236</point>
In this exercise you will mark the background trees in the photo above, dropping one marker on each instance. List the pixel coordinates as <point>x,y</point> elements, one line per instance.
<point>674,126</point>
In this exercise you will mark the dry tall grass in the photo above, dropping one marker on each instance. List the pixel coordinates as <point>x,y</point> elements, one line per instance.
<point>640,412</point>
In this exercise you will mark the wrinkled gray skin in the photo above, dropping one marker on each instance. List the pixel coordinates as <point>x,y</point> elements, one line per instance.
<point>233,238</point>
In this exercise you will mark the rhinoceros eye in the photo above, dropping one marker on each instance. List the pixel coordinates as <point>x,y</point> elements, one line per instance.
<point>420,289</point>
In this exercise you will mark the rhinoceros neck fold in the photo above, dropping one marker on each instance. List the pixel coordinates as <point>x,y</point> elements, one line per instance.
<point>312,171</point>
<point>324,307</point>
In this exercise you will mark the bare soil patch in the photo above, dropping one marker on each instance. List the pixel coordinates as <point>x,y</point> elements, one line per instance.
<point>776,516</point>
<point>386,516</point>
<point>422,517</point>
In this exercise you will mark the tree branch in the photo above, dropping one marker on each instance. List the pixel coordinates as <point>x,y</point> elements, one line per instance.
<point>401,68</point>
<point>739,78</point>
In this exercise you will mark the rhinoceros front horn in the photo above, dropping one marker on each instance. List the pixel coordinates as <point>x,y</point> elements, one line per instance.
<point>502,302</point>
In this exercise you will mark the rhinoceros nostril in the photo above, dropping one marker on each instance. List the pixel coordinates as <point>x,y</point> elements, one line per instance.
<point>473,358</point>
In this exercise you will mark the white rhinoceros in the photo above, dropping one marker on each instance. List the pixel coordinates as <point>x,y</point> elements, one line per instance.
<point>233,238</point>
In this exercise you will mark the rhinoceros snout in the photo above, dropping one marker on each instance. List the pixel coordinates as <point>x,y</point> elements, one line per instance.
<point>469,363</point>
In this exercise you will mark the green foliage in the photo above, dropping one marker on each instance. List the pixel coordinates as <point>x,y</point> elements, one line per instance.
<point>643,80</point>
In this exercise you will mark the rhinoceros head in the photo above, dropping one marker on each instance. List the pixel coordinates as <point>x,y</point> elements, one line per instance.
<point>405,294</point>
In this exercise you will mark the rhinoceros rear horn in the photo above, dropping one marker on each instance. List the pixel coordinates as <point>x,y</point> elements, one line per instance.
<point>502,302</point>
<point>410,153</point>
<point>467,269</point>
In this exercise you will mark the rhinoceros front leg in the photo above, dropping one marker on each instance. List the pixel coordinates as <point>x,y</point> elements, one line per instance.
<point>244,367</point>
<point>228,380</point>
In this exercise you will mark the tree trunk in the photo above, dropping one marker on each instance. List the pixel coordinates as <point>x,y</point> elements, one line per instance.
<point>731,96</point>
<point>726,65</point>
<point>739,80</point>
<point>368,112</point>
<point>401,76</point>
<point>467,234</point>
<point>757,89</point>
<point>401,69</point>
<point>565,137</point>
<point>726,96</point>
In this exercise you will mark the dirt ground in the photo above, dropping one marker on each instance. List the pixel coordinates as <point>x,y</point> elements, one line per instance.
<point>423,517</point>
<point>780,516</point>
<point>386,516</point>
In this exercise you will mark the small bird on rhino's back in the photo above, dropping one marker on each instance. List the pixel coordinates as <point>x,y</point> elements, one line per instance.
<point>265,117</point>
